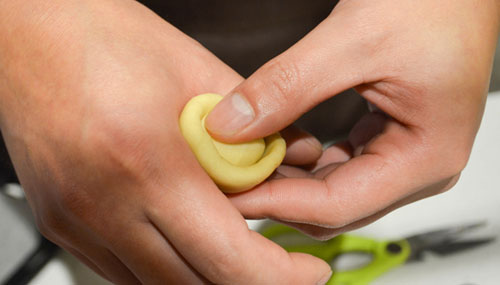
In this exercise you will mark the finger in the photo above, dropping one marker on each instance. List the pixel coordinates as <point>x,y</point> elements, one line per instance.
<point>103,262</point>
<point>302,148</point>
<point>82,258</point>
<point>391,167</point>
<point>368,127</point>
<point>322,64</point>
<point>109,264</point>
<point>337,153</point>
<point>286,171</point>
<point>323,233</point>
<point>151,257</point>
<point>330,159</point>
<point>214,238</point>
<point>87,248</point>
<point>133,251</point>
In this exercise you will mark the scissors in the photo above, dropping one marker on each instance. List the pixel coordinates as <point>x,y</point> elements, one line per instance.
<point>385,254</point>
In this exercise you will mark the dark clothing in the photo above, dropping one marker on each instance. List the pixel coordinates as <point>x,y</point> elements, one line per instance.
<point>244,33</point>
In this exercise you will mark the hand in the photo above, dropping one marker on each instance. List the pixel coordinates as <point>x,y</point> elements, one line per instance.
<point>91,96</point>
<point>424,64</point>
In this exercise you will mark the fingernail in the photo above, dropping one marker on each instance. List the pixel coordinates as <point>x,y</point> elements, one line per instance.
<point>230,115</point>
<point>325,278</point>
<point>314,143</point>
<point>359,150</point>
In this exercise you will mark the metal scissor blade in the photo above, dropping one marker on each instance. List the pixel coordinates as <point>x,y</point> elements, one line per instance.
<point>445,235</point>
<point>430,241</point>
<point>452,247</point>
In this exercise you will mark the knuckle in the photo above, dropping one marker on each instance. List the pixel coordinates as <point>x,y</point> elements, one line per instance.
<point>114,139</point>
<point>227,264</point>
<point>75,202</point>
<point>225,267</point>
<point>284,78</point>
<point>123,149</point>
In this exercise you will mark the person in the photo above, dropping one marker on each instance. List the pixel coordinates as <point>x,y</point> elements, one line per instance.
<point>91,92</point>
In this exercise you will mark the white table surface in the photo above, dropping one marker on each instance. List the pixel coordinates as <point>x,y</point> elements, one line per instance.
<point>476,197</point>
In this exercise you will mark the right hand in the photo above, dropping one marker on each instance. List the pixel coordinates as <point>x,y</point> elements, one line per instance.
<point>425,64</point>
<point>91,95</point>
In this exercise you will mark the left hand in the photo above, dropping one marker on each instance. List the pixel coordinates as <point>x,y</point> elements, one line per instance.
<point>425,64</point>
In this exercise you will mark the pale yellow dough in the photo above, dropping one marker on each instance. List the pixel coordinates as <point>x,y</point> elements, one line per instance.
<point>233,167</point>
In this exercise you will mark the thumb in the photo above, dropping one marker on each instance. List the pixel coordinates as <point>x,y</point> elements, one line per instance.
<point>319,66</point>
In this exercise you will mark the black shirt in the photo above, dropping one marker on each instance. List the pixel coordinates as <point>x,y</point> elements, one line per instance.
<point>244,33</point>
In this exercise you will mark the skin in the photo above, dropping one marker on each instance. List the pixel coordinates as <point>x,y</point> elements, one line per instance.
<point>91,93</point>
<point>424,64</point>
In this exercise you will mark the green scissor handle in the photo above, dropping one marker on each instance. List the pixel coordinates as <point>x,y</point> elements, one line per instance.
<point>385,254</point>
